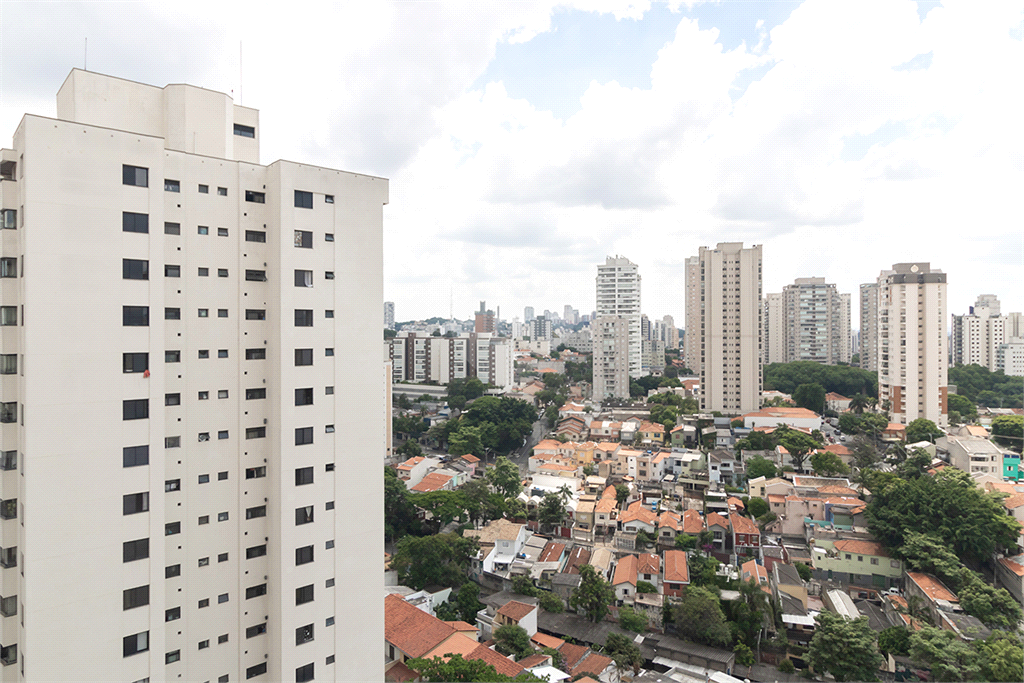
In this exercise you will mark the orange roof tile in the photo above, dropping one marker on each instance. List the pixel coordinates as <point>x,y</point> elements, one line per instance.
<point>715,519</point>
<point>743,525</point>
<point>544,640</point>
<point>872,548</point>
<point>515,610</point>
<point>693,523</point>
<point>1013,566</point>
<point>578,557</point>
<point>776,498</point>
<point>676,569</point>
<point>592,664</point>
<point>838,449</point>
<point>533,660</point>
<point>572,654</point>
<point>502,664</point>
<point>552,552</point>
<point>606,505</point>
<point>462,626</point>
<point>839,490</point>
<point>609,492</point>
<point>833,396</point>
<point>459,644</point>
<point>410,629</point>
<point>752,570</point>
<point>1014,501</point>
<point>652,427</point>
<point>733,500</point>
<point>469,457</point>
<point>400,673</point>
<point>433,481</point>
<point>411,462</point>
<point>637,512</point>
<point>648,563</point>
<point>625,571</point>
<point>932,587</point>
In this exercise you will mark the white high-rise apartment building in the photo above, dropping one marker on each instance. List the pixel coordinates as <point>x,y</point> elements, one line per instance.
<point>815,322</point>
<point>198,518</point>
<point>976,337</point>
<point>868,348</point>
<point>418,358</point>
<point>389,315</point>
<point>691,338</point>
<point>729,333</point>
<point>528,314</point>
<point>618,294</point>
<point>671,334</point>
<point>610,342</point>
<point>774,328</point>
<point>912,343</point>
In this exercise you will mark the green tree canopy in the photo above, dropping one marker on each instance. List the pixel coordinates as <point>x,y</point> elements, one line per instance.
<point>846,649</point>
<point>551,511</point>
<point>759,466</point>
<point>593,595</point>
<point>797,443</point>
<point>828,464</point>
<point>550,602</point>
<point>962,405</point>
<point>466,440</point>
<point>949,658</point>
<point>922,429</point>
<point>523,585</point>
<point>441,559</point>
<point>631,620</point>
<point>894,640</point>
<point>810,396</point>
<point>504,477</point>
<point>1002,657</point>
<point>1008,430</point>
<point>399,513</point>
<point>621,493</point>
<point>409,449</point>
<point>624,651</point>
<point>757,507</point>
<point>804,571</point>
<point>842,379</point>
<point>512,639</point>
<point>998,388</point>
<point>699,617</point>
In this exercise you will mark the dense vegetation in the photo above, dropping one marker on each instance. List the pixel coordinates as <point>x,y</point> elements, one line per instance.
<point>842,379</point>
<point>985,388</point>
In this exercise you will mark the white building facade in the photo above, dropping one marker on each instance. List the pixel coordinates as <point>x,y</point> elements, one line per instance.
<point>610,342</point>
<point>425,358</point>
<point>729,333</point>
<point>618,294</point>
<point>912,343</point>
<point>162,251</point>
<point>815,323</point>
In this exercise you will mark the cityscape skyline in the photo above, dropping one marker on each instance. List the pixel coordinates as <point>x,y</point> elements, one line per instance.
<point>709,125</point>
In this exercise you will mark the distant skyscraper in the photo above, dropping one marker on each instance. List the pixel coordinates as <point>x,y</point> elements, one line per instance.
<point>618,294</point>
<point>517,328</point>
<point>691,340</point>
<point>671,332</point>
<point>912,343</point>
<point>528,314</point>
<point>975,338</point>
<point>540,328</point>
<point>869,322</point>
<point>729,335</point>
<point>774,328</point>
<point>610,342</point>
<point>484,319</point>
<point>815,322</point>
<point>389,315</point>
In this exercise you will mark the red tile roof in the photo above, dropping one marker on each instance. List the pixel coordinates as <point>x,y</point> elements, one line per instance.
<point>552,552</point>
<point>412,630</point>
<point>433,481</point>
<point>861,548</point>
<point>648,563</point>
<point>676,569</point>
<point>1014,567</point>
<point>515,610</point>
<point>544,640</point>
<point>715,519</point>
<point>578,557</point>
<point>400,673</point>
<point>592,664</point>
<point>533,660</point>
<point>462,626</point>
<point>637,512</point>
<point>469,457</point>
<point>572,654</point>
<point>502,664</point>
<point>625,571</point>
<point>932,587</point>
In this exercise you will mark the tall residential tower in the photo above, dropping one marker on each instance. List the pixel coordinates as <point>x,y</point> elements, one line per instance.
<point>251,397</point>
<point>618,296</point>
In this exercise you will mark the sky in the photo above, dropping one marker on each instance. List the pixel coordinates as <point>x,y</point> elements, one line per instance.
<point>526,141</point>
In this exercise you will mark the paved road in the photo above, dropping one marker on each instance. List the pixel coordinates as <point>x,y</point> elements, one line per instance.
<point>521,456</point>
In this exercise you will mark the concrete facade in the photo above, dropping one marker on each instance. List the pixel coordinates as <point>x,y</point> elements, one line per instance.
<point>618,295</point>
<point>162,251</point>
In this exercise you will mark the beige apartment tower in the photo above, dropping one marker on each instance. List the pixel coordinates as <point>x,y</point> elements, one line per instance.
<point>912,343</point>
<point>618,294</point>
<point>193,400</point>
<point>691,295</point>
<point>729,331</point>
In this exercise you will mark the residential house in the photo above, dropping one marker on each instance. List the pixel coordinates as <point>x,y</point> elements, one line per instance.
<point>944,607</point>
<point>677,574</point>
<point>746,536</point>
<point>572,410</point>
<point>414,469</point>
<point>840,451</point>
<point>857,562</point>
<point>573,428</point>
<point>624,579</point>
<point>774,554</point>
<point>1010,575</point>
<point>724,467</point>
<point>629,429</point>
<point>649,569</point>
<point>837,402</point>
<point>893,432</point>
<point>601,561</point>
<point>500,542</point>
<point>583,530</point>
<point>434,481</point>
<point>578,556</point>
<point>605,430</point>
<point>752,570</point>
<point>786,579</point>
<point>652,433</point>
<point>971,454</point>
<point>684,436</point>
<point>792,417</point>
<point>762,487</point>
<point>553,552</point>
<point>638,518</point>
<point>518,613</point>
<point>604,516</point>
<point>720,530</point>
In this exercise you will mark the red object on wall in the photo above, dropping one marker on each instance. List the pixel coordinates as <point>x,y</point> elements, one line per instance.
<point>145,373</point>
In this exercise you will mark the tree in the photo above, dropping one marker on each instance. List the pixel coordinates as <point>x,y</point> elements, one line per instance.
<point>631,620</point>
<point>466,440</point>
<point>810,396</point>
<point>621,493</point>
<point>786,666</point>
<point>1008,430</point>
<point>645,587</point>
<point>456,670</point>
<point>515,508</point>
<point>744,655</point>
<point>550,602</point>
<point>523,585</point>
<point>858,403</point>
<point>441,559</point>
<point>467,602</point>
<point>409,449</point>
<point>894,640</point>
<point>1002,657</point>
<point>512,639</point>
<point>804,571</point>
<point>624,651</point>
<point>981,386</point>
<point>845,649</point>
<point>995,607</point>
<point>699,617</point>
<point>399,513</point>
<point>686,542</point>
<point>759,466</point>
<point>962,405</point>
<point>593,595</point>
<point>797,443</point>
<point>864,452</point>
<point>842,379</point>
<point>551,511</point>
<point>475,497</point>
<point>504,477</point>
<point>589,470</point>
<point>828,464</point>
<point>922,429</point>
<point>757,507</point>
<point>949,658</point>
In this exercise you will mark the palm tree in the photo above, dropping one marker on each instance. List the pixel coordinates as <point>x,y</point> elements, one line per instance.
<point>858,403</point>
